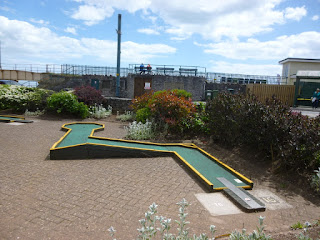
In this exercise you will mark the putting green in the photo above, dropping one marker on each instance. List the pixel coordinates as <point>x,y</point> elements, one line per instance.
<point>6,118</point>
<point>79,142</point>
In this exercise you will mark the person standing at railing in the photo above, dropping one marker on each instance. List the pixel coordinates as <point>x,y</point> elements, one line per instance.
<point>142,68</point>
<point>149,68</point>
<point>315,98</point>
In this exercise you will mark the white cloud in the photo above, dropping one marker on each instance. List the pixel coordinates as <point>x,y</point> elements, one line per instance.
<point>92,15</point>
<point>178,34</point>
<point>295,13</point>
<point>71,30</point>
<point>148,31</point>
<point>304,45</point>
<point>153,19</point>
<point>42,22</point>
<point>232,19</point>
<point>315,17</point>
<point>26,42</point>
<point>182,18</point>
<point>178,38</point>
<point>241,68</point>
<point>94,11</point>
<point>4,8</point>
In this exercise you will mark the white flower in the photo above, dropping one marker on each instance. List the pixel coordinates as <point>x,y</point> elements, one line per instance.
<point>111,230</point>
<point>261,220</point>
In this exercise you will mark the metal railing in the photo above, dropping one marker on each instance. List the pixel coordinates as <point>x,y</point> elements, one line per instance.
<point>37,68</point>
<point>241,78</point>
<point>173,70</point>
<point>92,70</point>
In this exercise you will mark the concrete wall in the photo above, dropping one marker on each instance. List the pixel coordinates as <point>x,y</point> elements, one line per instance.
<point>119,104</point>
<point>57,82</point>
<point>107,84</point>
<point>194,85</point>
<point>19,75</point>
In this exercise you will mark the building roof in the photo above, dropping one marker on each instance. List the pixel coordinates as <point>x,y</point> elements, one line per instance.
<point>309,60</point>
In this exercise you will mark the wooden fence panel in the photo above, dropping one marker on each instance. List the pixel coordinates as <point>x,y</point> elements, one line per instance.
<point>283,92</point>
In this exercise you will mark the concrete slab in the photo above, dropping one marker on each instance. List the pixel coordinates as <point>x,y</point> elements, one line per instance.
<point>306,111</point>
<point>310,113</point>
<point>217,204</point>
<point>271,200</point>
<point>15,123</point>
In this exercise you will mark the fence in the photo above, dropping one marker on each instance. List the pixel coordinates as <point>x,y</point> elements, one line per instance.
<point>37,68</point>
<point>172,70</point>
<point>92,70</point>
<point>283,92</point>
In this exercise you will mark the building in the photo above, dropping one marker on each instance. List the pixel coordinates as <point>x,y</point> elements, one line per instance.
<point>290,67</point>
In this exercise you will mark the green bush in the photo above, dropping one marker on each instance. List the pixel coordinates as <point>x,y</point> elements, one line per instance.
<point>177,92</point>
<point>127,116</point>
<point>20,98</point>
<point>67,103</point>
<point>143,114</point>
<point>290,140</point>
<point>315,181</point>
<point>167,108</point>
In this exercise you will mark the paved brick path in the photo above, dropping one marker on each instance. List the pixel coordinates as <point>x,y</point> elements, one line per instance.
<point>81,199</point>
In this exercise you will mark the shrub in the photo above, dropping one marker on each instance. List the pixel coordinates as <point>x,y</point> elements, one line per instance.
<point>256,234</point>
<point>142,101</point>
<point>67,103</point>
<point>168,107</point>
<point>98,111</point>
<point>127,116</point>
<point>315,181</point>
<point>143,114</point>
<point>35,113</point>
<point>140,131</point>
<point>177,92</point>
<point>290,140</point>
<point>20,98</point>
<point>196,125</point>
<point>153,225</point>
<point>89,95</point>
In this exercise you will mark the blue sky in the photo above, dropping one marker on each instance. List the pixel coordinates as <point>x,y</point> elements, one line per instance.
<point>231,36</point>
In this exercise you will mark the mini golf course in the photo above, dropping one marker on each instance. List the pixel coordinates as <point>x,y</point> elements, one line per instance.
<point>80,143</point>
<point>6,118</point>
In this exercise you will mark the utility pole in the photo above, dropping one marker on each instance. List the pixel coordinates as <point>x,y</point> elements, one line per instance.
<point>0,56</point>
<point>118,56</point>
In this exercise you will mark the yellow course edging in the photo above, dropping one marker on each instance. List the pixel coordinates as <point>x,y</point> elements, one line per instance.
<point>226,166</point>
<point>9,116</point>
